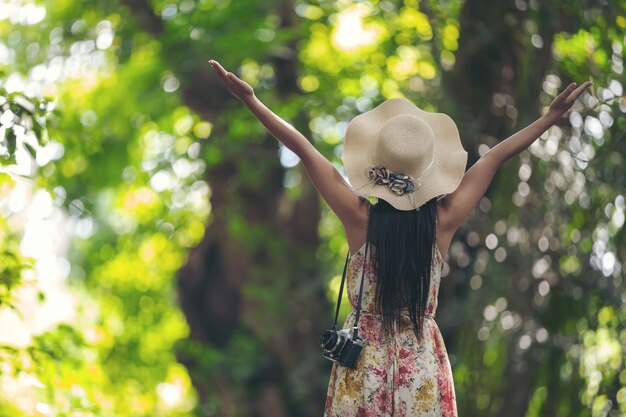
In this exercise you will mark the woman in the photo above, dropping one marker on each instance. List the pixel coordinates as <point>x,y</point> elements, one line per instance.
<point>413,162</point>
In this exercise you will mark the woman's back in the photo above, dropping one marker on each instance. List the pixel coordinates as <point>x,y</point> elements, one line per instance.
<point>395,375</point>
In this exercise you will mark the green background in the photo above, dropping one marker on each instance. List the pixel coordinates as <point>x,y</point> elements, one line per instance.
<point>204,265</point>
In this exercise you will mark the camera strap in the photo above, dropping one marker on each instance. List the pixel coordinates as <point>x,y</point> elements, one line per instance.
<point>355,333</point>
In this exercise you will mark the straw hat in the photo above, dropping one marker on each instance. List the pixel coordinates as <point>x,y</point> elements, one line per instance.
<point>403,154</point>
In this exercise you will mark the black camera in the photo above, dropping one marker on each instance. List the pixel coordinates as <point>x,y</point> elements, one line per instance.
<point>340,347</point>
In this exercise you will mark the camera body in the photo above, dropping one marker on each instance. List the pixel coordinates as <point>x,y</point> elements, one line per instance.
<point>340,347</point>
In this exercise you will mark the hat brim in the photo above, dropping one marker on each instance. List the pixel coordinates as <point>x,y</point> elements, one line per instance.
<point>442,178</point>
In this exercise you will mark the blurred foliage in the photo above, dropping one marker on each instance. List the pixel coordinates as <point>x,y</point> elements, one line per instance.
<point>23,126</point>
<point>13,262</point>
<point>23,120</point>
<point>533,291</point>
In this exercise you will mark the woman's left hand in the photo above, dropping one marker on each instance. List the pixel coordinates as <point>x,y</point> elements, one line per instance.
<point>564,101</point>
<point>237,87</point>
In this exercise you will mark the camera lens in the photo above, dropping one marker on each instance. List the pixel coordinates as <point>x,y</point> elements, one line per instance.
<point>329,339</point>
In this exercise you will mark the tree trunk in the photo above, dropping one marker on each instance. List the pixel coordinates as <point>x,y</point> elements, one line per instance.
<point>252,290</point>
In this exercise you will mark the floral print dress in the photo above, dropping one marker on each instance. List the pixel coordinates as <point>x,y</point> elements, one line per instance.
<point>394,376</point>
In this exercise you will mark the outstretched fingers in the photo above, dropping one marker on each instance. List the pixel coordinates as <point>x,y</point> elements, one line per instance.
<point>571,93</point>
<point>565,93</point>
<point>234,84</point>
<point>228,77</point>
<point>569,88</point>
<point>577,92</point>
<point>220,70</point>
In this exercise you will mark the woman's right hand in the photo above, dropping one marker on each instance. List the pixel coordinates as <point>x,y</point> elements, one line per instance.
<point>562,103</point>
<point>237,87</point>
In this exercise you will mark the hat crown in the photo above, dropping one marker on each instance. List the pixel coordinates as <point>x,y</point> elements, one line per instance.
<point>406,144</point>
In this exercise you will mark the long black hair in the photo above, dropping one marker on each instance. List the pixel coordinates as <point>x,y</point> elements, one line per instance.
<point>403,241</point>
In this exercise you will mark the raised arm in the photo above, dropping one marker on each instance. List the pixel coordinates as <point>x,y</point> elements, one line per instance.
<point>456,206</point>
<point>326,179</point>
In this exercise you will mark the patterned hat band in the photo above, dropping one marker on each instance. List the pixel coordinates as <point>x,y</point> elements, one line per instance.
<point>397,182</point>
